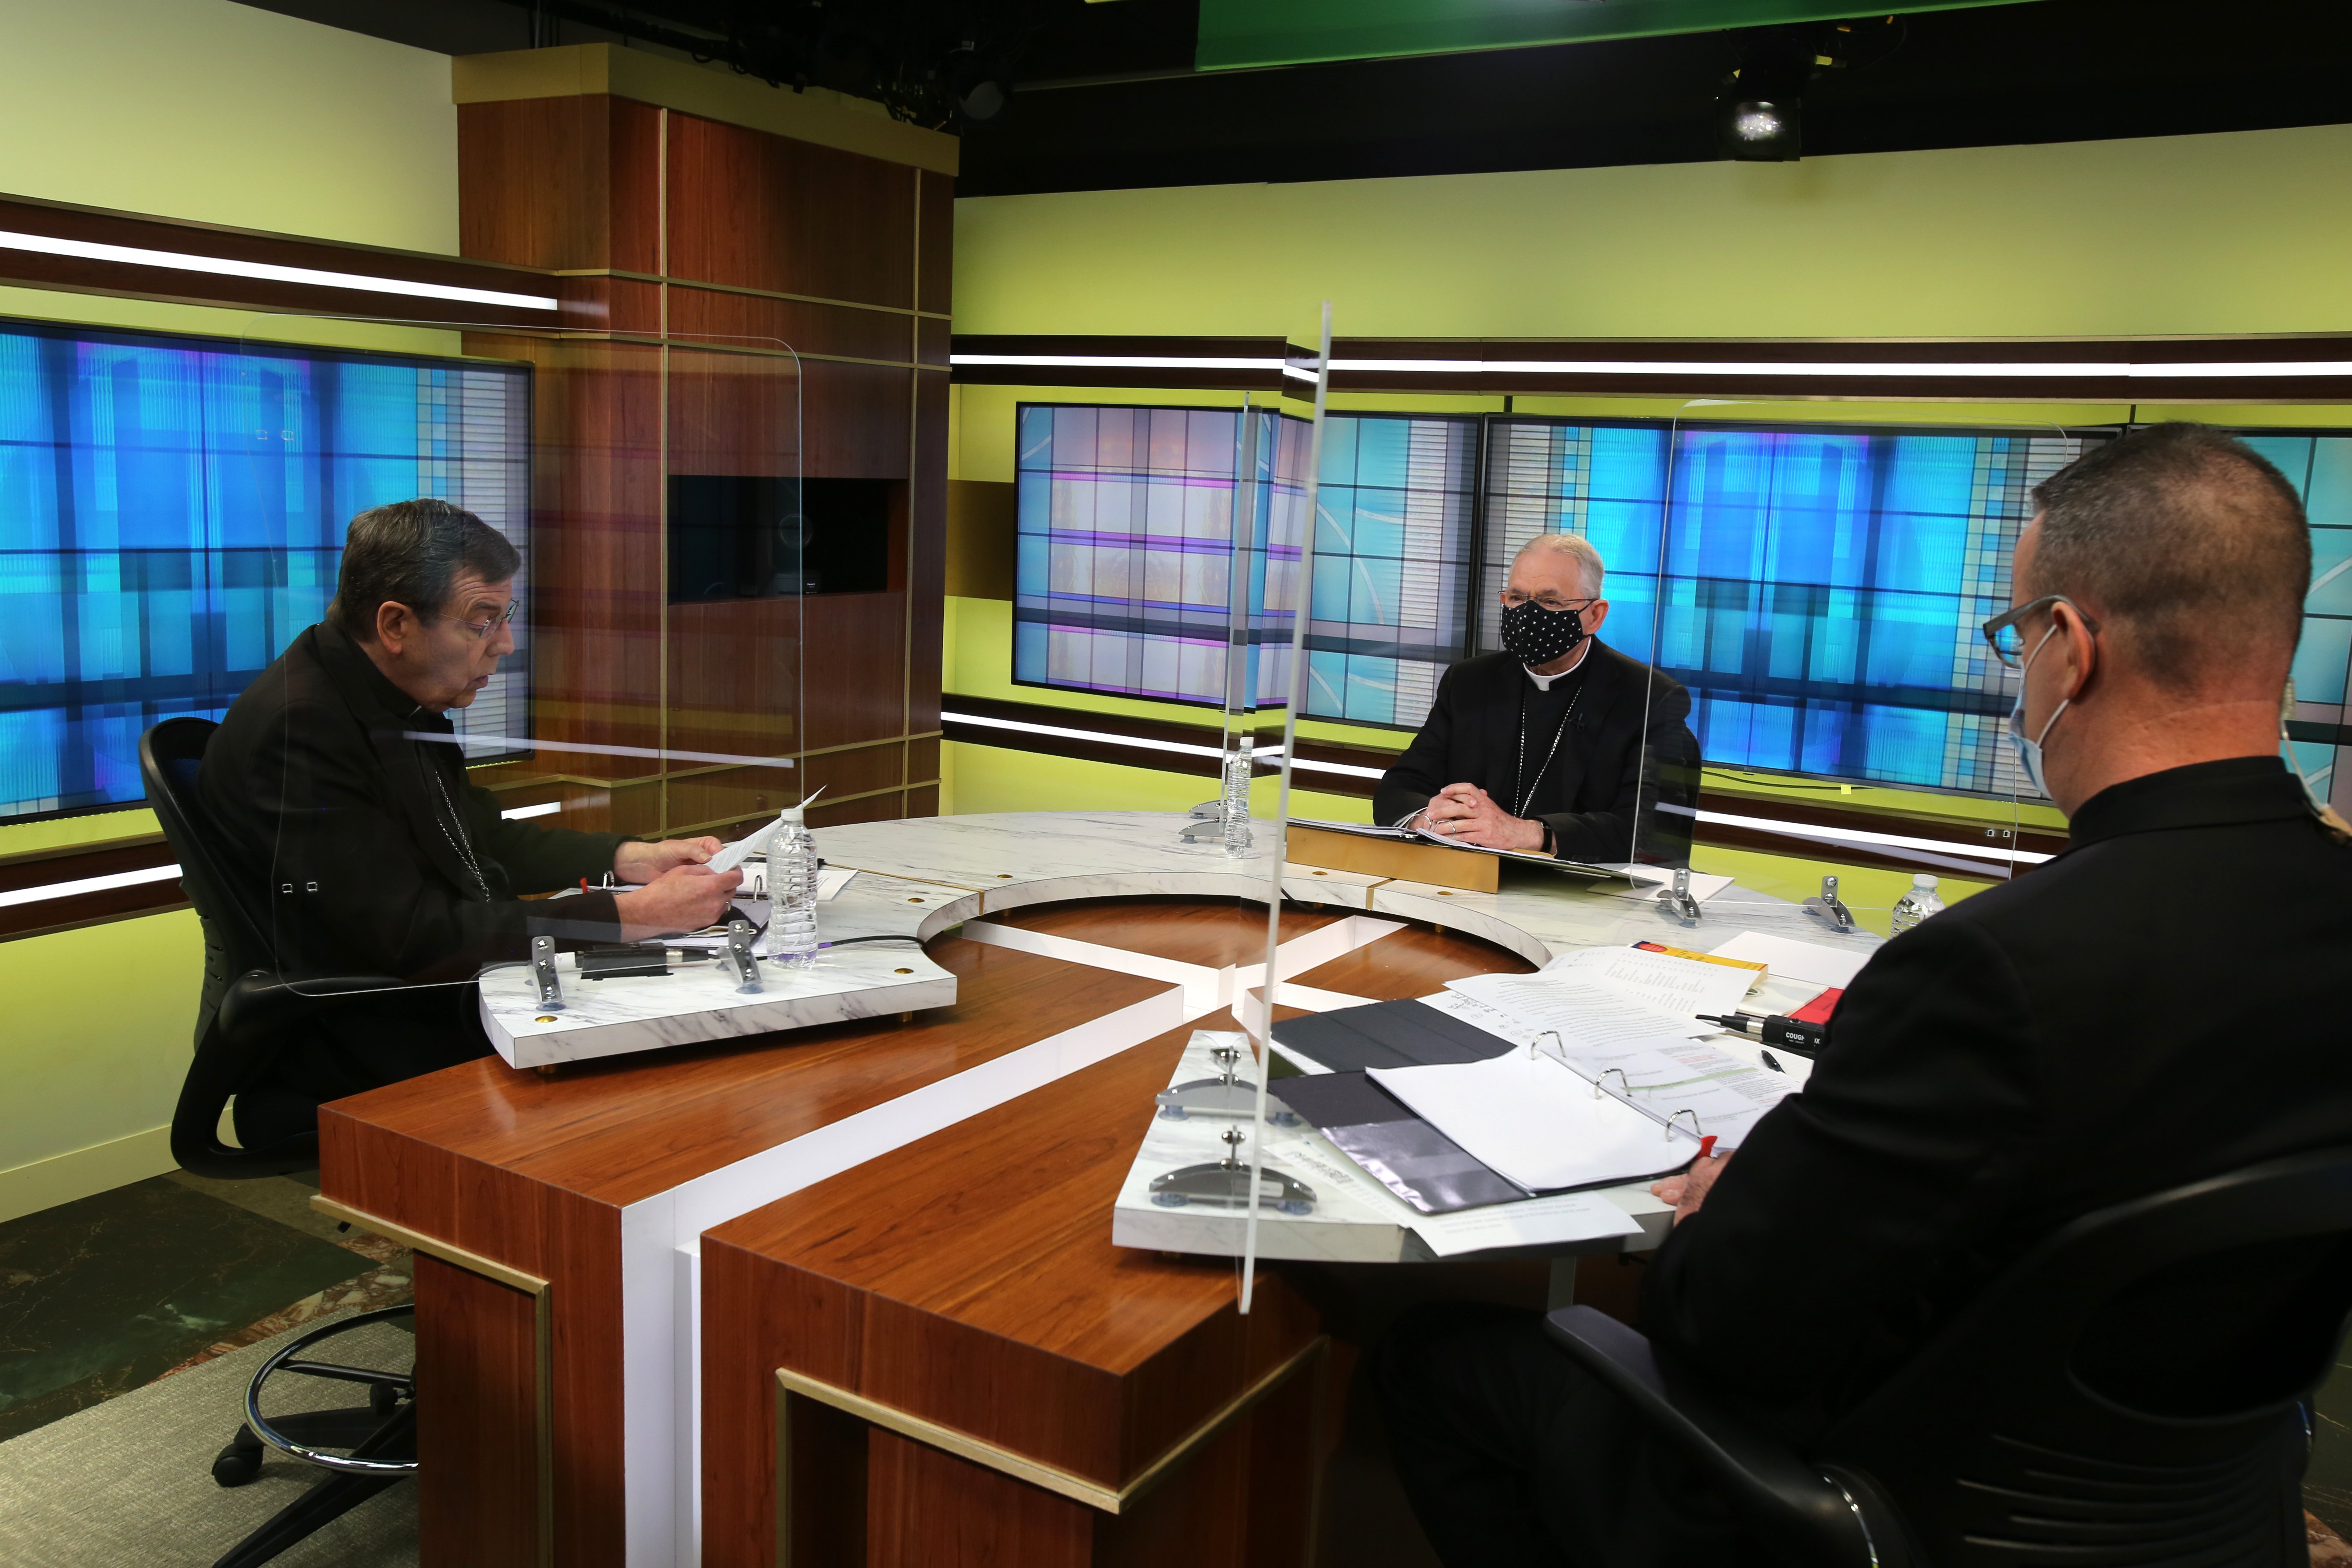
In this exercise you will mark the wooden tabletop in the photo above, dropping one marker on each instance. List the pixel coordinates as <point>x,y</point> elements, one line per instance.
<point>969,1279</point>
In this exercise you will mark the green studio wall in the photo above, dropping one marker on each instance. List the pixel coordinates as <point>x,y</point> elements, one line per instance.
<point>221,113</point>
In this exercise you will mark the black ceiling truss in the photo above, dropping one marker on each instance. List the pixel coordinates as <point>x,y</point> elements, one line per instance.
<point>1053,95</point>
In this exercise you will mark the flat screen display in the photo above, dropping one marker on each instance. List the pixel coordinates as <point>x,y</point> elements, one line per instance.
<point>172,514</point>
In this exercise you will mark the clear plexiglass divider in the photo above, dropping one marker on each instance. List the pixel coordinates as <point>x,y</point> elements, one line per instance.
<point>1784,740</point>
<point>494,789</point>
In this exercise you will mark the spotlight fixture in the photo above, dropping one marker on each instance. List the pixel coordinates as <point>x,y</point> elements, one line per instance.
<point>1759,117</point>
<point>1760,130</point>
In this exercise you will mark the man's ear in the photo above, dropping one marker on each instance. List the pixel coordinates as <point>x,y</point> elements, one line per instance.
<point>394,625</point>
<point>2082,648</point>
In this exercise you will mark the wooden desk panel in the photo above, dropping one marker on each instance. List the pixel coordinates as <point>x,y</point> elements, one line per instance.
<point>532,1174</point>
<point>969,1279</point>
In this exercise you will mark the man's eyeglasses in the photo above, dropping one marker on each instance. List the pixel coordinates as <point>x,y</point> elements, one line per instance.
<point>478,630</point>
<point>1512,599</point>
<point>2006,632</point>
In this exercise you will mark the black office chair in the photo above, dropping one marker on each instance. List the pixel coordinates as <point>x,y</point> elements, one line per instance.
<point>2008,1441</point>
<point>242,1024</point>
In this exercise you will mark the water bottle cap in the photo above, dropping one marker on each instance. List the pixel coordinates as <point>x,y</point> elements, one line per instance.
<point>791,816</point>
<point>1923,880</point>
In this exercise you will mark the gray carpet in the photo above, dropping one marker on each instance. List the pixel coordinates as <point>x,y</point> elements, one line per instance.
<point>128,1483</point>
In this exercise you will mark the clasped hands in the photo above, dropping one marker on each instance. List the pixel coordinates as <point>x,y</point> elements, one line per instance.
<point>676,890</point>
<point>1467,812</point>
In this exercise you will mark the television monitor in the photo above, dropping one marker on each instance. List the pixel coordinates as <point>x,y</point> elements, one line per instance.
<point>172,515</point>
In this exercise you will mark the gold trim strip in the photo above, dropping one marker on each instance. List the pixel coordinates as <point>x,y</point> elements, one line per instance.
<point>542,1338</point>
<point>637,781</point>
<point>980,1451</point>
<point>678,282</point>
<point>431,1246</point>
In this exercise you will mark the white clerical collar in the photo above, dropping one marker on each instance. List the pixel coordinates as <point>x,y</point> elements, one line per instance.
<point>1543,682</point>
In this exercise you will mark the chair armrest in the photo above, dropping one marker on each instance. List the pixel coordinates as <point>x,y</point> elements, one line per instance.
<point>261,1003</point>
<point>1805,1519</point>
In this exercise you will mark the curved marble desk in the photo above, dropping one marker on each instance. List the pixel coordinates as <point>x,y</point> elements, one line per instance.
<point>478,1159</point>
<point>981,865</point>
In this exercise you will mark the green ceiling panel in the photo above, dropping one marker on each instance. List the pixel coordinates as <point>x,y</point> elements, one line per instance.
<point>1235,33</point>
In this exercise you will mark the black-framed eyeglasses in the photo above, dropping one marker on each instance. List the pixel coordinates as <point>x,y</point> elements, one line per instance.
<point>2006,631</point>
<point>1512,599</point>
<point>478,630</point>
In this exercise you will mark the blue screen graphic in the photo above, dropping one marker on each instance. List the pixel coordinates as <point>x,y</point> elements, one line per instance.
<point>172,513</point>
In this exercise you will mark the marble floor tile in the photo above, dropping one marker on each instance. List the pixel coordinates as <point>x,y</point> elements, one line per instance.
<point>108,1292</point>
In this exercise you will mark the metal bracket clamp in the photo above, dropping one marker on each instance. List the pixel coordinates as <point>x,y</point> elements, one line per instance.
<point>543,970</point>
<point>1827,907</point>
<point>1226,1185</point>
<point>737,957</point>
<point>1223,1095</point>
<point>1677,900</point>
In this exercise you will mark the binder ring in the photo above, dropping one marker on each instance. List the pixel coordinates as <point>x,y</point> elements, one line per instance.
<point>1555,1040</point>
<point>1625,1082</point>
<point>1672,1122</point>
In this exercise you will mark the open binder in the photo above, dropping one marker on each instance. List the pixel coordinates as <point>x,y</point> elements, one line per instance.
<point>1381,1064</point>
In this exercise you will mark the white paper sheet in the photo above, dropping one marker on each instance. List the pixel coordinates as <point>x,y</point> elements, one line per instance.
<point>1730,1092</point>
<point>1682,986</point>
<point>1586,1012</point>
<point>753,843</point>
<point>1565,1216</point>
<point>831,880</point>
<point>1789,959</point>
<point>1533,1121</point>
<point>1726,1094</point>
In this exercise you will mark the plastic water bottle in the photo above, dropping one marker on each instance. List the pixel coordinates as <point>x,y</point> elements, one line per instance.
<point>1237,800</point>
<point>1915,905</point>
<point>792,892</point>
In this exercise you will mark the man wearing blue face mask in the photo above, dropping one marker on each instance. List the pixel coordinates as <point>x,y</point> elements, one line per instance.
<point>1558,744</point>
<point>2158,1005</point>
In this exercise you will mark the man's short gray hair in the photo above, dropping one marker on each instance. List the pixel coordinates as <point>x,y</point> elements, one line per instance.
<point>1588,560</point>
<point>2190,544</point>
<point>410,552</point>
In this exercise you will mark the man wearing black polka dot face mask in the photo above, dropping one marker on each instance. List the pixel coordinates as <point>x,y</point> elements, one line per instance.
<point>1558,744</point>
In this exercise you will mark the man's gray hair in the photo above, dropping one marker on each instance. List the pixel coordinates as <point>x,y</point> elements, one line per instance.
<point>410,552</point>
<point>1588,560</point>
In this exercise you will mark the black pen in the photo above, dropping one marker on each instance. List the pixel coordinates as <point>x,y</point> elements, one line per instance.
<point>1771,1061</point>
<point>1789,1034</point>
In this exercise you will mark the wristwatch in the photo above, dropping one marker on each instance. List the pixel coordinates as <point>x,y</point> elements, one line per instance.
<point>1550,843</point>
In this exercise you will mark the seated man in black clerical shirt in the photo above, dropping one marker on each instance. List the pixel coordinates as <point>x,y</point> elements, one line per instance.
<point>2109,1025</point>
<point>1558,744</point>
<point>343,803</point>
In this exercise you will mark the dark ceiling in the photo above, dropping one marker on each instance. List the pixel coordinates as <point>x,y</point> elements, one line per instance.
<point>1104,95</point>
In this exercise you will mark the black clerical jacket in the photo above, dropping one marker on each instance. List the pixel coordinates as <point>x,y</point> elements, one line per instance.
<point>1628,764</point>
<point>369,852</point>
<point>2161,1003</point>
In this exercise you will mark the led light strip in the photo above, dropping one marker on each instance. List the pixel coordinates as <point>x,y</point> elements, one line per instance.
<point>1972,369</point>
<point>1958,369</point>
<point>524,813</point>
<point>1183,748</point>
<point>87,884</point>
<point>1131,362</point>
<point>134,256</point>
<point>1862,835</point>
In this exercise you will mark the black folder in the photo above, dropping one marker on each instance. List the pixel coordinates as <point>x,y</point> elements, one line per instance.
<point>1386,1034</point>
<point>1373,1127</point>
